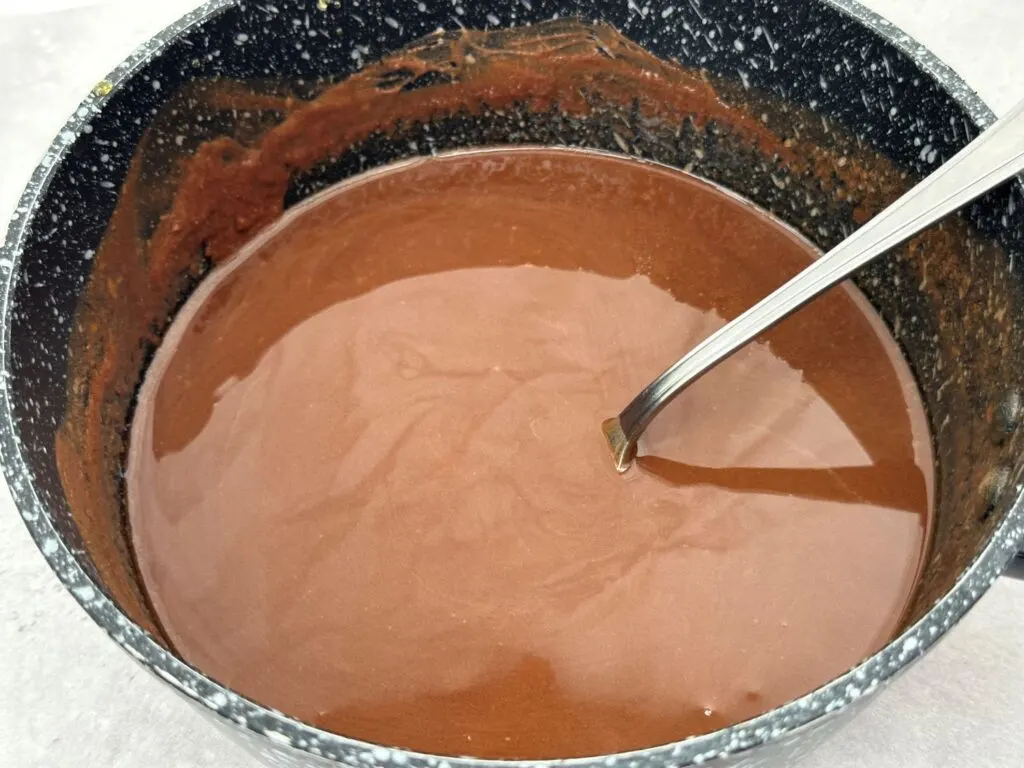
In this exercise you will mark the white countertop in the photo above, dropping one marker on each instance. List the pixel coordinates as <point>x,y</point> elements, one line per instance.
<point>69,697</point>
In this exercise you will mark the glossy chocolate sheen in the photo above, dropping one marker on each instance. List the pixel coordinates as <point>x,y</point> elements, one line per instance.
<point>367,484</point>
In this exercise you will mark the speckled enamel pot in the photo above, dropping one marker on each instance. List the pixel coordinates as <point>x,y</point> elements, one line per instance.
<point>831,57</point>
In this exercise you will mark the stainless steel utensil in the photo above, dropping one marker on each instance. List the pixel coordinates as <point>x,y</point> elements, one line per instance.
<point>995,156</point>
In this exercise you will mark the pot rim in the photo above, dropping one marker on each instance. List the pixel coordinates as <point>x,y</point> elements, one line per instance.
<point>279,729</point>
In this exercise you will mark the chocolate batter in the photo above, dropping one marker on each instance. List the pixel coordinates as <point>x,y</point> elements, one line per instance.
<point>367,483</point>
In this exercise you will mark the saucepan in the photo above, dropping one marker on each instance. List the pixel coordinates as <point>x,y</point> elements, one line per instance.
<point>861,111</point>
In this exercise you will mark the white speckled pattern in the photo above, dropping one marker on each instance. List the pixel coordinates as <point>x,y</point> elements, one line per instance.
<point>69,695</point>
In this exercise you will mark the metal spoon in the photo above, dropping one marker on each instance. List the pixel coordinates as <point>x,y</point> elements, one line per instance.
<point>989,160</point>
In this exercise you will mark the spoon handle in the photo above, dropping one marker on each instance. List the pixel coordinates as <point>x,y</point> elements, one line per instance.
<point>992,158</point>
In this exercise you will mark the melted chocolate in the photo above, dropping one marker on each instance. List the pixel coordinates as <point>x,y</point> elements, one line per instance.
<point>367,482</point>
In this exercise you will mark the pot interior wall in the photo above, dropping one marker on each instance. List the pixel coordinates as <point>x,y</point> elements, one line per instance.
<point>859,121</point>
